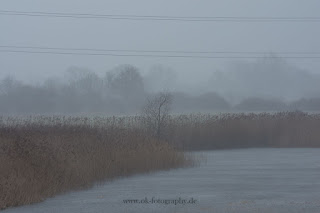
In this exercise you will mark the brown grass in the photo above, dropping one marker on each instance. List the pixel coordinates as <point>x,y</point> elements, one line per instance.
<point>41,158</point>
<point>225,131</point>
<point>44,156</point>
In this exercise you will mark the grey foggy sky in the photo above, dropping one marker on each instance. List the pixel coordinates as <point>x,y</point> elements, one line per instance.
<point>151,35</point>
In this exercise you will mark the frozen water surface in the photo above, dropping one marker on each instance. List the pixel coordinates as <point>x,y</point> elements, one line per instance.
<point>244,180</point>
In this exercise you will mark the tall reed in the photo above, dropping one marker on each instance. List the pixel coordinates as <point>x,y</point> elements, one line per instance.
<point>48,156</point>
<point>225,131</point>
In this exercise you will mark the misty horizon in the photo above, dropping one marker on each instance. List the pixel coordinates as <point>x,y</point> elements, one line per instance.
<point>269,84</point>
<point>260,50</point>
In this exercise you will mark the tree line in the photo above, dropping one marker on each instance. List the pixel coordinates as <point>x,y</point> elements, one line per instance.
<point>121,91</point>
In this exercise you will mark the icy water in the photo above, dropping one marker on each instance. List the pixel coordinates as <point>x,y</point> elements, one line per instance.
<point>244,180</point>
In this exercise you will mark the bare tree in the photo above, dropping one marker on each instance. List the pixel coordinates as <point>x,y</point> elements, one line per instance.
<point>156,113</point>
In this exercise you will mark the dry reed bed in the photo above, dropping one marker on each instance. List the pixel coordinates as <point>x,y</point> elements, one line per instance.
<point>228,130</point>
<point>41,159</point>
<point>41,156</point>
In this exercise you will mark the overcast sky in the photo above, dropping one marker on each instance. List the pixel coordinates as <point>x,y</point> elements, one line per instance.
<point>152,35</point>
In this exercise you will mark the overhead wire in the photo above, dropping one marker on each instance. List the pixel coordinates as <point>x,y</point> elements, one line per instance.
<point>158,51</point>
<point>154,56</point>
<point>161,17</point>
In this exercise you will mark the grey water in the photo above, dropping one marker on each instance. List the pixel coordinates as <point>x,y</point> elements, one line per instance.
<point>243,180</point>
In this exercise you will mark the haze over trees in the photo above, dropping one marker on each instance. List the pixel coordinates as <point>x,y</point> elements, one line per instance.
<point>268,84</point>
<point>267,78</point>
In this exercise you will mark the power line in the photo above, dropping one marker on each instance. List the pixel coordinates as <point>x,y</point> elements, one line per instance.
<point>161,18</point>
<point>153,56</point>
<point>160,51</point>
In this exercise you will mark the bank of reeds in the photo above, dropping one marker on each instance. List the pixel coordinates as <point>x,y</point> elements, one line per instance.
<point>48,156</point>
<point>244,130</point>
<point>41,156</point>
